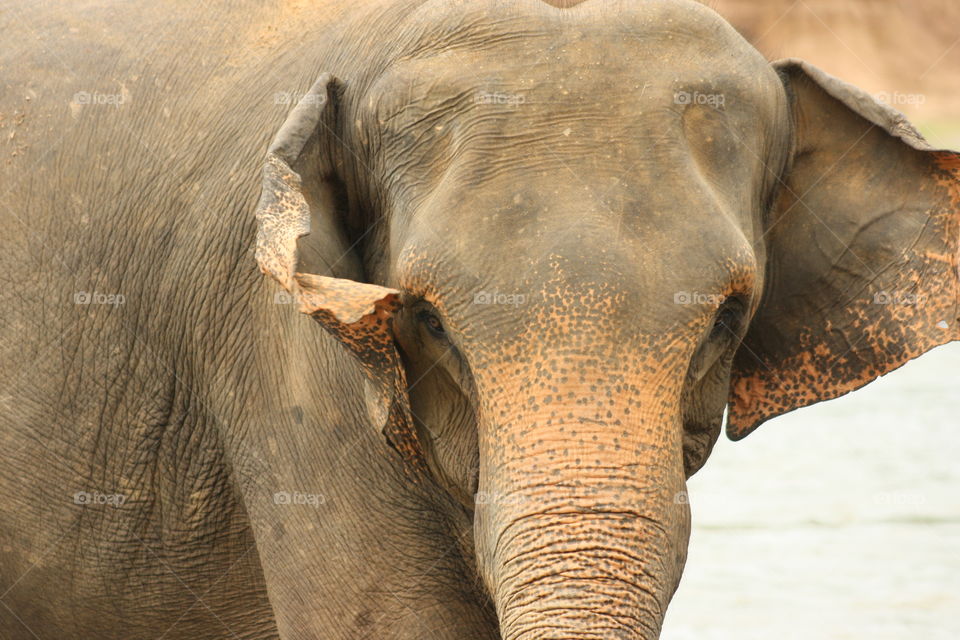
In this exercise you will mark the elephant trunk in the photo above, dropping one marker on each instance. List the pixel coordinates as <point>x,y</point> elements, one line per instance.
<point>584,576</point>
<point>580,530</point>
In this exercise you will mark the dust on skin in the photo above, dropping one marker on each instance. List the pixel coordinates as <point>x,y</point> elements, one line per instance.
<point>9,129</point>
<point>280,19</point>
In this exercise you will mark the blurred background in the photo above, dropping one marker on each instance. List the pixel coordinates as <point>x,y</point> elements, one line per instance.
<point>905,52</point>
<point>842,520</point>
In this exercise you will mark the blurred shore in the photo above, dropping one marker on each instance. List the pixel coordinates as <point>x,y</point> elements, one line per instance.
<point>905,52</point>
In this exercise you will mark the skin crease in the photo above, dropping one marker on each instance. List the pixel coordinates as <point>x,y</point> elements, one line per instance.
<point>537,243</point>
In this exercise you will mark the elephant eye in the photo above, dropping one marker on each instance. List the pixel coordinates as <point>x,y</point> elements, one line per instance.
<point>432,322</point>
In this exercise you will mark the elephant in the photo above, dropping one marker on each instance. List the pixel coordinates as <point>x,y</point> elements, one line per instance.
<point>412,320</point>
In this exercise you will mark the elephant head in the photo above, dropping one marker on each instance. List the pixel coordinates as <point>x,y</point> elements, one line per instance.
<point>562,242</point>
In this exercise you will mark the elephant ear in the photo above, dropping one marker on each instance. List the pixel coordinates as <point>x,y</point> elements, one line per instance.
<point>301,195</point>
<point>862,254</point>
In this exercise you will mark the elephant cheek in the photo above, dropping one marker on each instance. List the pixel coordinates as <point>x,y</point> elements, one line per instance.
<point>582,522</point>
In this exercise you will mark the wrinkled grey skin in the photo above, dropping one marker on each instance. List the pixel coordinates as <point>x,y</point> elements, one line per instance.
<point>465,148</point>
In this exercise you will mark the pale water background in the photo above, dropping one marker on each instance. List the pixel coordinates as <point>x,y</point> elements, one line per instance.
<point>838,521</point>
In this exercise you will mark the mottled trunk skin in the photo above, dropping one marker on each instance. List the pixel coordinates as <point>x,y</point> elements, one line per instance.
<point>580,532</point>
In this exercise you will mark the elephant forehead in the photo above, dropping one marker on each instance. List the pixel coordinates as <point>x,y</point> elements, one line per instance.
<point>510,67</point>
<point>599,73</point>
<point>491,22</point>
<point>616,106</point>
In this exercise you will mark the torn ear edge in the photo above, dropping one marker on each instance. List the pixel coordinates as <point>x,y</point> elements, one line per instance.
<point>822,358</point>
<point>358,314</point>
